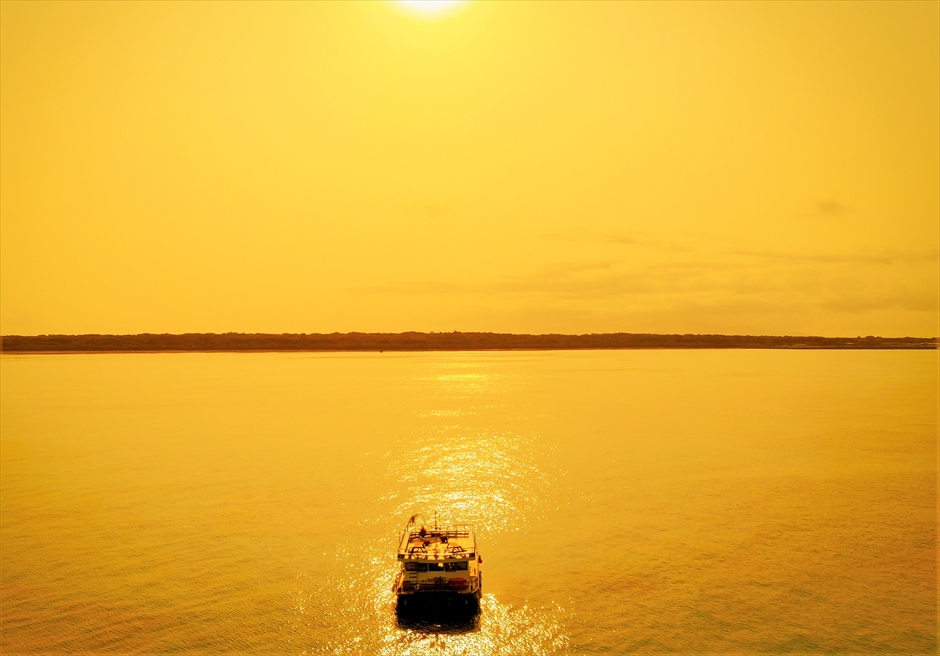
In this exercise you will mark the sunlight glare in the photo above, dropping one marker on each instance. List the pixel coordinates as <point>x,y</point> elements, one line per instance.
<point>429,6</point>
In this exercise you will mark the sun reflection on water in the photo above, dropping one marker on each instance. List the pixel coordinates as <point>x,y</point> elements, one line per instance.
<point>464,472</point>
<point>479,474</point>
<point>483,478</point>
<point>365,620</point>
<point>497,629</point>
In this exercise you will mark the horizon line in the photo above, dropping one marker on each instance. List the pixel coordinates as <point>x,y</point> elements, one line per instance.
<point>437,341</point>
<point>466,332</point>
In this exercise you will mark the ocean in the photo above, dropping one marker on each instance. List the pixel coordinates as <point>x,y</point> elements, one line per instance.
<point>647,501</point>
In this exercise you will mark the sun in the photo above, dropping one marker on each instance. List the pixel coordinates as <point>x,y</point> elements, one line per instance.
<point>429,6</point>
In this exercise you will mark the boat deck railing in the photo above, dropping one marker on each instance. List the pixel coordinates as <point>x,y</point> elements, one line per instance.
<point>458,531</point>
<point>413,533</point>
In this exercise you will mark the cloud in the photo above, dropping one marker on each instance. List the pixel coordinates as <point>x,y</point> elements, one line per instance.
<point>846,258</point>
<point>830,207</point>
<point>755,291</point>
<point>616,238</point>
<point>746,273</point>
<point>902,299</point>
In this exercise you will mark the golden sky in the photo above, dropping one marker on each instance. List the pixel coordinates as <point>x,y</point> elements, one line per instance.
<point>573,167</point>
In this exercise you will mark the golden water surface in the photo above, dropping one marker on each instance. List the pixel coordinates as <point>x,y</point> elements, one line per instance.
<point>625,501</point>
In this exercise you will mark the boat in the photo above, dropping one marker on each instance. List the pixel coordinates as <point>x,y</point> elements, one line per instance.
<point>438,564</point>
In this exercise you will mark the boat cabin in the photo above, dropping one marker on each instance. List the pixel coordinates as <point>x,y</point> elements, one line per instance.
<point>438,559</point>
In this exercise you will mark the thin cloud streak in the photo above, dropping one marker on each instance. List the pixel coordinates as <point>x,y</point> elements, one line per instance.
<point>860,258</point>
<point>787,282</point>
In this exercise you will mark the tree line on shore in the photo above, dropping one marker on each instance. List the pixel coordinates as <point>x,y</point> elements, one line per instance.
<point>454,341</point>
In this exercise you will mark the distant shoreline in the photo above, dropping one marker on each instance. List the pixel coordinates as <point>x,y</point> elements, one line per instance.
<point>414,341</point>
